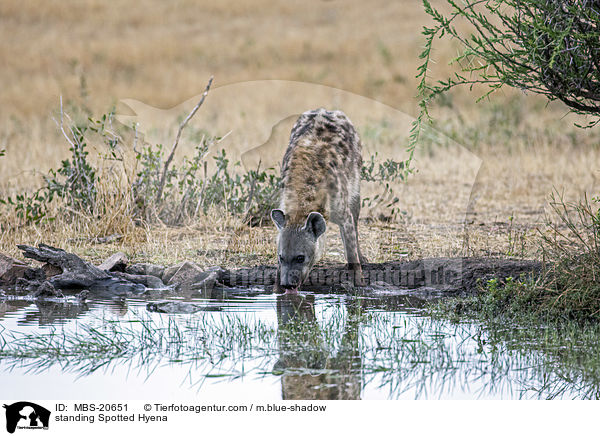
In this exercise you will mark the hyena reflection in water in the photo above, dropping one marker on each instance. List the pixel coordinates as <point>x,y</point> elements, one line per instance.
<point>309,370</point>
<point>321,181</point>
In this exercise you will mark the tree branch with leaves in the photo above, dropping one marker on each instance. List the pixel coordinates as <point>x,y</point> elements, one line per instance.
<point>547,47</point>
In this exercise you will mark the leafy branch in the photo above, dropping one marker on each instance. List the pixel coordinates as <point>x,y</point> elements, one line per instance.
<point>546,47</point>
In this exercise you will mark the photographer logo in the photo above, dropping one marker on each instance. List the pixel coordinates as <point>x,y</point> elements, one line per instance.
<point>26,415</point>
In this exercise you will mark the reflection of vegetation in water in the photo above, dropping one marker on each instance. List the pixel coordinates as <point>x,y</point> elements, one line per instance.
<point>568,356</point>
<point>436,358</point>
<point>342,352</point>
<point>148,341</point>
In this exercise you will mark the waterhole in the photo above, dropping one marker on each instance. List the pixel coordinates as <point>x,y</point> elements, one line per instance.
<point>265,346</point>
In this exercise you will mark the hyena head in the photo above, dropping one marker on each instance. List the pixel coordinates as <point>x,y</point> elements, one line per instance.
<point>299,247</point>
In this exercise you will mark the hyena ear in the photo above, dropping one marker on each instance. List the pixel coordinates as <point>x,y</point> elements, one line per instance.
<point>315,223</point>
<point>278,218</point>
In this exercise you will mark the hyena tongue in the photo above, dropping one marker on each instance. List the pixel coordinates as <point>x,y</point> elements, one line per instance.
<point>292,291</point>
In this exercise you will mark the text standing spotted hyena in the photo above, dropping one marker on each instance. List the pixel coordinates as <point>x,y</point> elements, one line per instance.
<point>320,181</point>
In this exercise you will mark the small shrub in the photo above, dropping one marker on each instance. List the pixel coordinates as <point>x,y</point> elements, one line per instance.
<point>384,173</point>
<point>191,190</point>
<point>29,208</point>
<point>74,182</point>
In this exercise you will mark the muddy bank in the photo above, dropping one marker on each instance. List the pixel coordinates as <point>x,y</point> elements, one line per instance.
<point>62,271</point>
<point>434,276</point>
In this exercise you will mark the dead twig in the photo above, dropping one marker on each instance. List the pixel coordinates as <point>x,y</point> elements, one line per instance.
<point>61,125</point>
<point>163,178</point>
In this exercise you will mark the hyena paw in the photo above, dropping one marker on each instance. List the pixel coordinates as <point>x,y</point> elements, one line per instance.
<point>358,274</point>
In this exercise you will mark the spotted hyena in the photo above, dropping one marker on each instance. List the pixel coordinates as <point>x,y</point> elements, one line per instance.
<point>321,181</point>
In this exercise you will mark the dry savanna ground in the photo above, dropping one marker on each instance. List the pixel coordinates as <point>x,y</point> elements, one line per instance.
<point>482,183</point>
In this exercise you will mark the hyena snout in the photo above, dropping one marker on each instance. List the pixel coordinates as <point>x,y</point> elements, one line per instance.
<point>291,278</point>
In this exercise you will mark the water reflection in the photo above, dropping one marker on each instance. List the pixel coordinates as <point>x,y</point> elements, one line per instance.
<point>49,312</point>
<point>310,369</point>
<point>311,346</point>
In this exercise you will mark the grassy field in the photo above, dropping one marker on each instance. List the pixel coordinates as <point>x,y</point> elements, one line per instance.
<point>482,192</point>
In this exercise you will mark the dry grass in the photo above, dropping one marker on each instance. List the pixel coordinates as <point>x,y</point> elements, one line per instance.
<point>514,151</point>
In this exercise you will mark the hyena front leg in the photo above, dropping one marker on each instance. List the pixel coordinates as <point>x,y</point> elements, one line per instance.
<point>350,239</point>
<point>277,286</point>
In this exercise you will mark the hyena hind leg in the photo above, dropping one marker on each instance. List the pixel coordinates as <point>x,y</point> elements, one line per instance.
<point>350,240</point>
<point>355,210</point>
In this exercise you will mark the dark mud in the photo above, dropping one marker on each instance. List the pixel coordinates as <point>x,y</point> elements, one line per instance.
<point>434,276</point>
<point>65,272</point>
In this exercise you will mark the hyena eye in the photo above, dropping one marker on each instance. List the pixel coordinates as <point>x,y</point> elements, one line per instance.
<point>300,259</point>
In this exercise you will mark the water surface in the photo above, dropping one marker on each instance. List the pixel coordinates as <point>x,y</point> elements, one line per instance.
<point>270,347</point>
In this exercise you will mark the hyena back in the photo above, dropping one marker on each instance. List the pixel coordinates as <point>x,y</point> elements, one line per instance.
<point>320,182</point>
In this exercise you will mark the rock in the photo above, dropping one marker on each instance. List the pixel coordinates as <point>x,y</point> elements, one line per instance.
<point>170,272</point>
<point>46,289</point>
<point>23,286</point>
<point>116,262</point>
<point>219,271</point>
<point>35,274</point>
<point>142,269</point>
<point>184,274</point>
<point>11,269</point>
<point>51,270</point>
<point>208,280</point>
<point>174,307</point>
<point>113,287</point>
<point>77,273</point>
<point>146,280</point>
